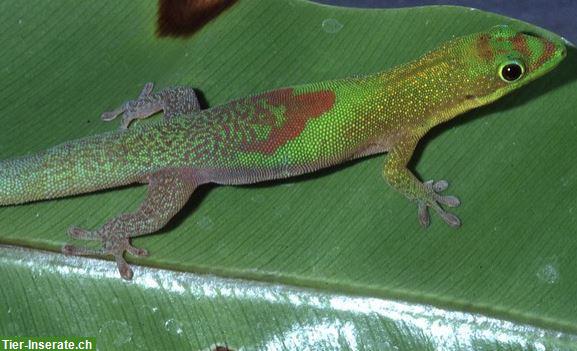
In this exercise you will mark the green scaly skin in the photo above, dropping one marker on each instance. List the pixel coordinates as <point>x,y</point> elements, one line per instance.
<point>278,134</point>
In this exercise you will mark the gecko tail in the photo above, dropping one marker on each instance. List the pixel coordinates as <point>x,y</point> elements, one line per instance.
<point>74,167</point>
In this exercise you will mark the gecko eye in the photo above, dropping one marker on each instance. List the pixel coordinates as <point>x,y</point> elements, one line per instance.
<point>511,71</point>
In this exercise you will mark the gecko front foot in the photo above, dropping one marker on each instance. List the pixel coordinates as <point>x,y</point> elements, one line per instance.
<point>112,244</point>
<point>435,203</point>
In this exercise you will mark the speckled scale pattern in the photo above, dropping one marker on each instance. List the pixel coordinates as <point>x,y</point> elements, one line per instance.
<point>278,134</point>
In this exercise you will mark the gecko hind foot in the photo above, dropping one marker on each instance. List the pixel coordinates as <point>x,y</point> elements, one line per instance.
<point>173,101</point>
<point>145,105</point>
<point>447,200</point>
<point>112,244</point>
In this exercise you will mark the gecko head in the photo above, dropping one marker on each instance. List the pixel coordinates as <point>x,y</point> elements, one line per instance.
<point>505,59</point>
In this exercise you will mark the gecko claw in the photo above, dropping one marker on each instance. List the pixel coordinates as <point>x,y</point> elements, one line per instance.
<point>79,251</point>
<point>424,217</point>
<point>79,233</point>
<point>450,201</point>
<point>146,90</point>
<point>134,251</point>
<point>438,186</point>
<point>111,115</point>
<point>123,268</point>
<point>452,220</point>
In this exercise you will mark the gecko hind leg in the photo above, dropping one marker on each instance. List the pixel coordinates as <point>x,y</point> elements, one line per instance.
<point>173,101</point>
<point>168,191</point>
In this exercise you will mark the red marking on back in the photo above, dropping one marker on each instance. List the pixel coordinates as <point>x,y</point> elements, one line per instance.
<point>299,109</point>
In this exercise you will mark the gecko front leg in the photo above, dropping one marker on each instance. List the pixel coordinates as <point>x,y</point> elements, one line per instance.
<point>173,101</point>
<point>426,195</point>
<point>168,191</point>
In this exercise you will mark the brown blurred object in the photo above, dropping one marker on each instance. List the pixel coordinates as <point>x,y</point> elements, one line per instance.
<point>179,18</point>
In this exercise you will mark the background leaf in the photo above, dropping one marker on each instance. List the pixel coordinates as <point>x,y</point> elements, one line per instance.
<point>337,233</point>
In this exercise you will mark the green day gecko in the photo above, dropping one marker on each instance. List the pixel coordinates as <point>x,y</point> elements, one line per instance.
<point>278,134</point>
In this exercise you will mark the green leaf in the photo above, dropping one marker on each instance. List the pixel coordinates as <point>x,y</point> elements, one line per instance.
<point>331,260</point>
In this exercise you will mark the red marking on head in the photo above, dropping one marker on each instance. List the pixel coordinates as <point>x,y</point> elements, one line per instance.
<point>299,109</point>
<point>484,48</point>
<point>548,51</point>
<point>520,45</point>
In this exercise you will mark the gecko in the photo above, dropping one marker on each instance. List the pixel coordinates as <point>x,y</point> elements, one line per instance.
<point>278,134</point>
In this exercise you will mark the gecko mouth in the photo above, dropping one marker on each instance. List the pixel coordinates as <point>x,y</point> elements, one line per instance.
<point>531,34</point>
<point>564,51</point>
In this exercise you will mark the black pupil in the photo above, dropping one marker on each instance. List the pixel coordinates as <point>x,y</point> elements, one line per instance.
<point>512,72</point>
